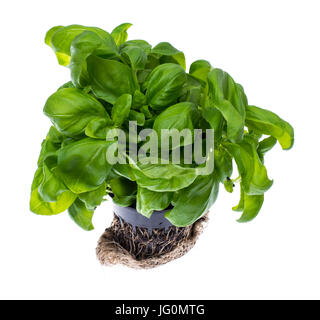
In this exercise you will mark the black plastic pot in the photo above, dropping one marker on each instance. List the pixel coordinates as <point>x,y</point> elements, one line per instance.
<point>135,219</point>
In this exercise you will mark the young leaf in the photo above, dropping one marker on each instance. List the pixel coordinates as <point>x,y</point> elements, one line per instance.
<point>138,117</point>
<point>120,34</point>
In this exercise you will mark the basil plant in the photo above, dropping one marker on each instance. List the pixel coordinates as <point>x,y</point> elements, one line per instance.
<point>115,82</point>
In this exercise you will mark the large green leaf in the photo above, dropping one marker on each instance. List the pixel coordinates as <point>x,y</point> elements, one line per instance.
<point>193,202</point>
<point>110,79</point>
<point>70,110</point>
<point>164,85</point>
<point>267,122</point>
<point>149,201</point>
<point>82,165</point>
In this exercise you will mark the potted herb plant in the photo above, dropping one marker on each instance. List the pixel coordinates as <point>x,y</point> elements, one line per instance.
<point>117,131</point>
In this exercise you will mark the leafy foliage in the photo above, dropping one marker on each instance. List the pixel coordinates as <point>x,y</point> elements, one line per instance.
<point>114,80</point>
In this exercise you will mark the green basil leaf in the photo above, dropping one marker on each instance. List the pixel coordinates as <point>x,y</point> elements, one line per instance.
<point>164,85</point>
<point>250,205</point>
<point>269,123</point>
<point>195,201</point>
<point>82,165</point>
<point>93,199</point>
<point>265,145</point>
<point>98,128</point>
<point>200,69</point>
<point>134,56</point>
<point>169,54</point>
<point>226,96</point>
<point>179,116</point>
<point>147,113</point>
<point>215,119</point>
<point>39,206</point>
<point>79,213</point>
<point>163,177</point>
<point>60,38</point>
<point>121,109</point>
<point>253,173</point>
<point>82,47</point>
<point>51,186</point>
<point>124,201</point>
<point>149,201</point>
<point>222,163</point>
<point>124,191</point>
<point>124,170</point>
<point>240,206</point>
<point>138,117</point>
<point>139,99</point>
<point>70,110</point>
<point>144,45</point>
<point>120,34</point>
<point>228,185</point>
<point>110,79</point>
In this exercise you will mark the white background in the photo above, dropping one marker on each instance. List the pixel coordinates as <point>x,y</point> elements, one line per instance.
<point>272,49</point>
